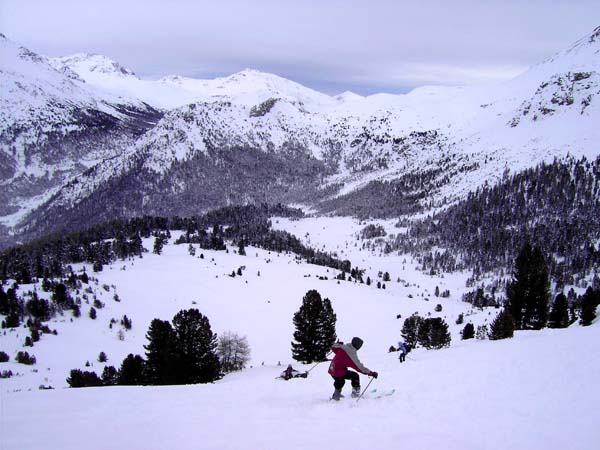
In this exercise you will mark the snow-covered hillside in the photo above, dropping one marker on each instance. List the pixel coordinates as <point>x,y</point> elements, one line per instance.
<point>518,393</point>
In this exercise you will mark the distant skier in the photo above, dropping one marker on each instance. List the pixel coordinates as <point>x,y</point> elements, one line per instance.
<point>290,373</point>
<point>346,357</point>
<point>403,349</point>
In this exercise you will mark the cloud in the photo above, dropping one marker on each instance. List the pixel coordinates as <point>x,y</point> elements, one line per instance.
<point>365,44</point>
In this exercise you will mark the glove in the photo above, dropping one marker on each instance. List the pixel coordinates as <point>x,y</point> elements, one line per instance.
<point>373,374</point>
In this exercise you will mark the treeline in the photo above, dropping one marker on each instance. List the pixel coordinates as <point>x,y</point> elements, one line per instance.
<point>552,206</point>
<point>529,305</point>
<point>121,239</point>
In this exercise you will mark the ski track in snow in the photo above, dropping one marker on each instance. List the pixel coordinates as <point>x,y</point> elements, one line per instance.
<point>519,393</point>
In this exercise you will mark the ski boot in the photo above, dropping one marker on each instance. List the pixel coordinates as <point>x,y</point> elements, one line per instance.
<point>355,392</point>
<point>337,394</point>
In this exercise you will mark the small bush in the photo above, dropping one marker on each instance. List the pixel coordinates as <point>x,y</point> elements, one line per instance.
<point>102,357</point>
<point>438,308</point>
<point>25,358</point>
<point>461,319</point>
<point>126,322</point>
<point>98,304</point>
<point>4,357</point>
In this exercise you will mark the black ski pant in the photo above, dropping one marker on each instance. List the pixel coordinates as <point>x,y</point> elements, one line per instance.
<point>339,382</point>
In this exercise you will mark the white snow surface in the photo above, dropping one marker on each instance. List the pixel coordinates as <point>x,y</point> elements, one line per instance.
<point>520,393</point>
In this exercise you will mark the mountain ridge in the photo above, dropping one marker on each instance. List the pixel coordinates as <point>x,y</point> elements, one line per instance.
<point>468,135</point>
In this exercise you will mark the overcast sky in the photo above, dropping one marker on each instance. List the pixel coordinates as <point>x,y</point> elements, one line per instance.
<point>329,45</point>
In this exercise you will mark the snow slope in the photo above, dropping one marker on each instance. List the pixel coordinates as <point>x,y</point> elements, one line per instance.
<point>513,394</point>
<point>516,394</point>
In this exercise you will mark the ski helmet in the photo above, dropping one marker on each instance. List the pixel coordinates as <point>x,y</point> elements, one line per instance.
<point>357,342</point>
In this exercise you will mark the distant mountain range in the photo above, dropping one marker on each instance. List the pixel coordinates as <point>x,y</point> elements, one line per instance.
<point>83,139</point>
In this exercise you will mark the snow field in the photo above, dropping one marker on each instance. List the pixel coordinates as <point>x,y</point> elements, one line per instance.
<point>515,394</point>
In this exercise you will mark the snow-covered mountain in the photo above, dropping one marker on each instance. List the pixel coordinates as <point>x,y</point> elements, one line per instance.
<point>258,137</point>
<point>53,126</point>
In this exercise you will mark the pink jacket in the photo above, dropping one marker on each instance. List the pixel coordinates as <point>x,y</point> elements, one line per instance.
<point>345,357</point>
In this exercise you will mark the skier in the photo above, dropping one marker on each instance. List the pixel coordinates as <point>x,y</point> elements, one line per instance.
<point>290,372</point>
<point>346,357</point>
<point>403,349</point>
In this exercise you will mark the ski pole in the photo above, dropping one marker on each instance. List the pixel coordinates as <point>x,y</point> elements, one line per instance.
<point>318,363</point>
<point>365,390</point>
<point>314,366</point>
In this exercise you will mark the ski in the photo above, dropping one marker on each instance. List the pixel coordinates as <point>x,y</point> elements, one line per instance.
<point>377,393</point>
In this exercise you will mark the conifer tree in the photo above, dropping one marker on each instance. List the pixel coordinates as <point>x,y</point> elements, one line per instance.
<point>503,326</point>
<point>131,372</point>
<point>315,328</point>
<point>529,292</point>
<point>78,379</point>
<point>559,315</point>
<point>196,345</point>
<point>589,302</point>
<point>433,333</point>
<point>410,330</point>
<point>161,354</point>
<point>110,376</point>
<point>242,248</point>
<point>468,332</point>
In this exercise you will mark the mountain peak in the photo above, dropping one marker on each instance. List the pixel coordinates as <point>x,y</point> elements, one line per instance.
<point>92,64</point>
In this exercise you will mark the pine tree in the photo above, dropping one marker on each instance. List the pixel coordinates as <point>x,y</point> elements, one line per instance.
<point>110,376</point>
<point>410,330</point>
<point>131,372</point>
<point>241,248</point>
<point>433,333</point>
<point>79,379</point>
<point>468,332</point>
<point>503,326</point>
<point>529,292</point>
<point>589,302</point>
<point>161,354</point>
<point>315,328</point>
<point>559,315</point>
<point>196,345</point>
